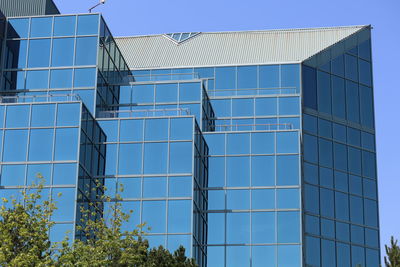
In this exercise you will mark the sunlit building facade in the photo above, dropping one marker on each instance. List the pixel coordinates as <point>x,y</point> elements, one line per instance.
<point>247,148</point>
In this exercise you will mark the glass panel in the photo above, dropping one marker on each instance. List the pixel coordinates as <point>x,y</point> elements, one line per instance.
<point>247,77</point>
<point>352,101</point>
<point>216,171</point>
<point>342,206</point>
<point>287,142</point>
<point>41,145</point>
<point>37,79</point>
<point>342,231</point>
<point>36,172</point>
<point>143,93</point>
<point>61,79</point>
<point>288,227</point>
<point>238,228</point>
<point>64,26</point>
<point>262,143</point>
<point>260,254</point>
<point>263,171</point>
<point>131,130</point>
<point>179,216</point>
<point>181,129</point>
<point>351,67</point>
<point>13,175</point>
<point>130,159</point>
<point>17,116</point>
<point>39,53</point>
<point>181,157</point>
<point>328,253</point>
<point>68,114</point>
<point>338,97</point>
<point>154,215</point>
<point>85,77</point>
<point>15,145</point>
<point>180,187</point>
<point>43,115</point>
<point>263,227</point>
<point>266,106</point>
<point>313,251</point>
<point>287,170</point>
<point>65,197</point>
<point>18,28</point>
<point>269,76</point>
<point>17,52</point>
<point>238,144</point>
<point>365,72</point>
<point>324,92</point>
<point>41,27</point>
<point>131,188</point>
<point>367,106</point>
<point>289,106</point>
<point>88,24</point>
<point>66,146</point>
<point>290,76</point>
<point>63,52</point>
<point>325,153</point>
<point>238,171</point>
<point>156,129</point>
<point>238,199</point>
<point>238,256</point>
<point>86,51</point>
<point>242,107</point>
<point>189,92</point>
<point>327,202</point>
<point>216,228</point>
<point>167,92</point>
<point>64,174</point>
<point>225,78</point>
<point>309,87</point>
<point>289,256</point>
<point>155,158</point>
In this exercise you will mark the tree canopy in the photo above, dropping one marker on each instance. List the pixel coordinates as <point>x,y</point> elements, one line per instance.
<point>392,258</point>
<point>24,235</point>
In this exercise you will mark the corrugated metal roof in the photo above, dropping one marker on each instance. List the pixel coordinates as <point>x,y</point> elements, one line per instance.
<point>231,48</point>
<point>17,8</point>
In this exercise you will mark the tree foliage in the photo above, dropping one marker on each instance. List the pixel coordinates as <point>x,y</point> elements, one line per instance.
<point>392,258</point>
<point>24,228</point>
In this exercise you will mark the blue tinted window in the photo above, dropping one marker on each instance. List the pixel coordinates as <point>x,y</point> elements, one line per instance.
<point>372,257</point>
<point>156,129</point>
<point>266,106</point>
<point>86,51</point>
<point>352,101</point>
<point>41,145</point>
<point>338,97</point>
<point>310,123</point>
<point>353,136</point>
<point>189,92</point>
<point>340,156</point>
<point>327,202</point>
<point>68,114</point>
<point>85,77</point>
<point>238,228</point>
<point>260,253</point>
<point>238,256</point>
<point>130,159</point>
<point>351,67</point>
<point>342,231</point>
<point>181,129</point>
<point>37,79</point>
<point>325,128</point>
<point>66,146</point>
<point>154,215</point>
<point>216,143</point>
<point>18,28</point>
<point>269,76</point>
<point>238,171</point>
<point>181,157</point>
<point>343,254</point>
<point>175,241</point>
<point>216,171</point>
<point>365,72</point>
<point>341,181</point>
<point>371,212</point>
<point>64,26</point>
<point>288,227</point>
<point>325,153</point>
<point>262,143</point>
<point>17,116</point>
<point>238,144</point>
<point>39,53</point>
<point>287,170</point>
<point>339,132</point>
<point>143,93</point>
<point>288,198</point>
<point>371,238</point>
<point>17,51</point>
<point>131,188</point>
<point>324,92</point>
<point>88,24</point>
<point>13,175</point>
<point>167,92</point>
<point>15,145</point>
<point>155,158</point>
<point>357,234</point>
<point>290,75</point>
<point>313,251</point>
<point>131,130</point>
<point>289,106</point>
<point>289,256</point>
<point>367,106</point>
<point>312,225</point>
<point>310,87</point>
<point>262,171</point>
<point>64,174</point>
<point>263,227</point>
<point>357,256</point>
<point>216,228</point>
<point>180,186</point>
<point>310,144</point>
<point>369,188</point>
<point>355,184</point>
<point>341,206</point>
<point>310,173</point>
<point>61,78</point>
<point>242,107</point>
<point>354,160</point>
<point>65,197</point>
<point>225,78</point>
<point>328,253</point>
<point>41,27</point>
<point>238,199</point>
<point>59,232</point>
<point>36,172</point>
<point>63,52</point>
<point>263,199</point>
<point>326,177</point>
<point>247,77</point>
<point>179,213</point>
<point>287,142</point>
<point>356,210</point>
<point>42,115</point>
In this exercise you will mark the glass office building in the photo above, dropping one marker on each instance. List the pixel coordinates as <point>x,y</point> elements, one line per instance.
<point>247,148</point>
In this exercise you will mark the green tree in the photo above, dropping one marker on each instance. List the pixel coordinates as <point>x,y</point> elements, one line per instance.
<point>392,258</point>
<point>24,228</point>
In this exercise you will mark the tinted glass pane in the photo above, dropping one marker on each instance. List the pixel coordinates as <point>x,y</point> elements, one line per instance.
<point>88,24</point>
<point>130,159</point>
<point>247,77</point>
<point>17,51</point>
<point>340,156</point>
<point>156,129</point>
<point>181,157</point>
<point>63,52</point>
<point>288,227</point>
<point>290,75</point>
<point>238,171</point>
<point>355,185</point>
<point>167,92</point>
<point>242,107</point>
<point>287,170</point>
<point>41,27</point>
<point>288,198</point>
<point>41,145</point>
<point>216,231</point>
<point>180,186</point>
<point>328,253</point>
<point>325,153</point>
<point>42,115</point>
<point>367,106</point>
<point>86,51</point>
<point>238,144</point>
<point>269,76</point>
<point>289,106</point>
<point>66,144</point>
<point>68,114</point>
<point>64,26</point>
<point>39,53</point>
<point>181,129</point>
<point>17,116</point>
<point>155,158</point>
<point>37,79</point>
<point>263,227</point>
<point>131,130</point>
<point>365,72</point>
<point>15,145</point>
<point>351,67</point>
<point>143,93</point>
<point>179,213</point>
<point>238,256</point>
<point>36,172</point>
<point>18,28</point>
<point>132,188</point>
<point>260,253</point>
<point>310,144</point>
<point>85,77</point>
<point>61,79</point>
<point>189,91</point>
<point>342,206</point>
<point>338,97</point>
<point>154,215</point>
<point>327,202</point>
<point>238,228</point>
<point>313,251</point>
<point>352,102</point>
<point>64,174</point>
<point>65,198</point>
<point>289,256</point>
<point>364,50</point>
<point>266,106</point>
<point>263,171</point>
<point>310,87</point>
<point>225,78</point>
<point>324,92</point>
<point>12,175</point>
<point>287,142</point>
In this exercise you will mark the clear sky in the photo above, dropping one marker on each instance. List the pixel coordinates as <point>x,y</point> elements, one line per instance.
<point>134,17</point>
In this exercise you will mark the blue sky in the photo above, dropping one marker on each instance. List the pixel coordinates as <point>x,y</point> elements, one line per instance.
<point>129,17</point>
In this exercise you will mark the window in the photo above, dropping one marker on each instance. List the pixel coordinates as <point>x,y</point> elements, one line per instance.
<point>338,97</point>
<point>327,202</point>
<point>41,145</point>
<point>242,107</point>
<point>289,106</point>
<point>266,106</point>
<point>132,188</point>
<point>313,251</point>
<point>61,79</point>
<point>85,77</point>
<point>262,199</point>
<point>352,102</point>
<point>263,227</point>
<point>289,255</point>
<point>17,52</point>
<point>310,146</point>
<point>39,53</point>
<point>18,28</point>
<point>63,52</point>
<point>181,129</point>
<point>179,216</point>
<point>13,175</point>
<point>181,187</point>
<point>88,24</point>
<point>247,77</point>
<point>288,227</point>
<point>155,158</point>
<point>288,198</point>
<point>216,228</point>
<point>341,181</point>
<point>225,78</point>
<point>130,159</point>
<point>238,144</point>
<point>263,170</point>
<point>154,215</point>
<point>326,177</point>
<point>238,228</point>
<point>189,92</point>
<point>131,130</point>
<point>367,110</point>
<point>216,171</point>
<point>324,92</point>
<point>143,93</point>
<point>287,170</point>
<point>356,210</point>
<point>86,51</point>
<point>238,256</point>
<point>181,157</point>
<point>328,253</point>
<point>262,143</point>
<point>35,171</point>
<point>65,197</point>
<point>290,76</point>
<point>43,115</point>
<point>238,171</point>
<point>41,27</point>
<point>260,253</point>
<point>353,136</point>
<point>37,79</point>
<point>238,199</point>
<point>15,145</point>
<point>64,25</point>
<point>66,146</point>
<point>64,174</point>
<point>343,254</point>
<point>351,67</point>
<point>325,153</point>
<point>310,87</point>
<point>167,92</point>
<point>342,231</point>
<point>17,116</point>
<point>287,142</point>
<point>340,156</point>
<point>68,114</point>
<point>341,206</point>
<point>156,129</point>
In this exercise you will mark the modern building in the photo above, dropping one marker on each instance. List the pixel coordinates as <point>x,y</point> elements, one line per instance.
<point>250,148</point>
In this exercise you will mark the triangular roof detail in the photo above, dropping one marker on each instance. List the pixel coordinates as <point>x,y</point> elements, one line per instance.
<point>231,48</point>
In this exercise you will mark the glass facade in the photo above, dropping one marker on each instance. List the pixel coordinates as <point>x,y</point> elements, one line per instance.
<point>243,165</point>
